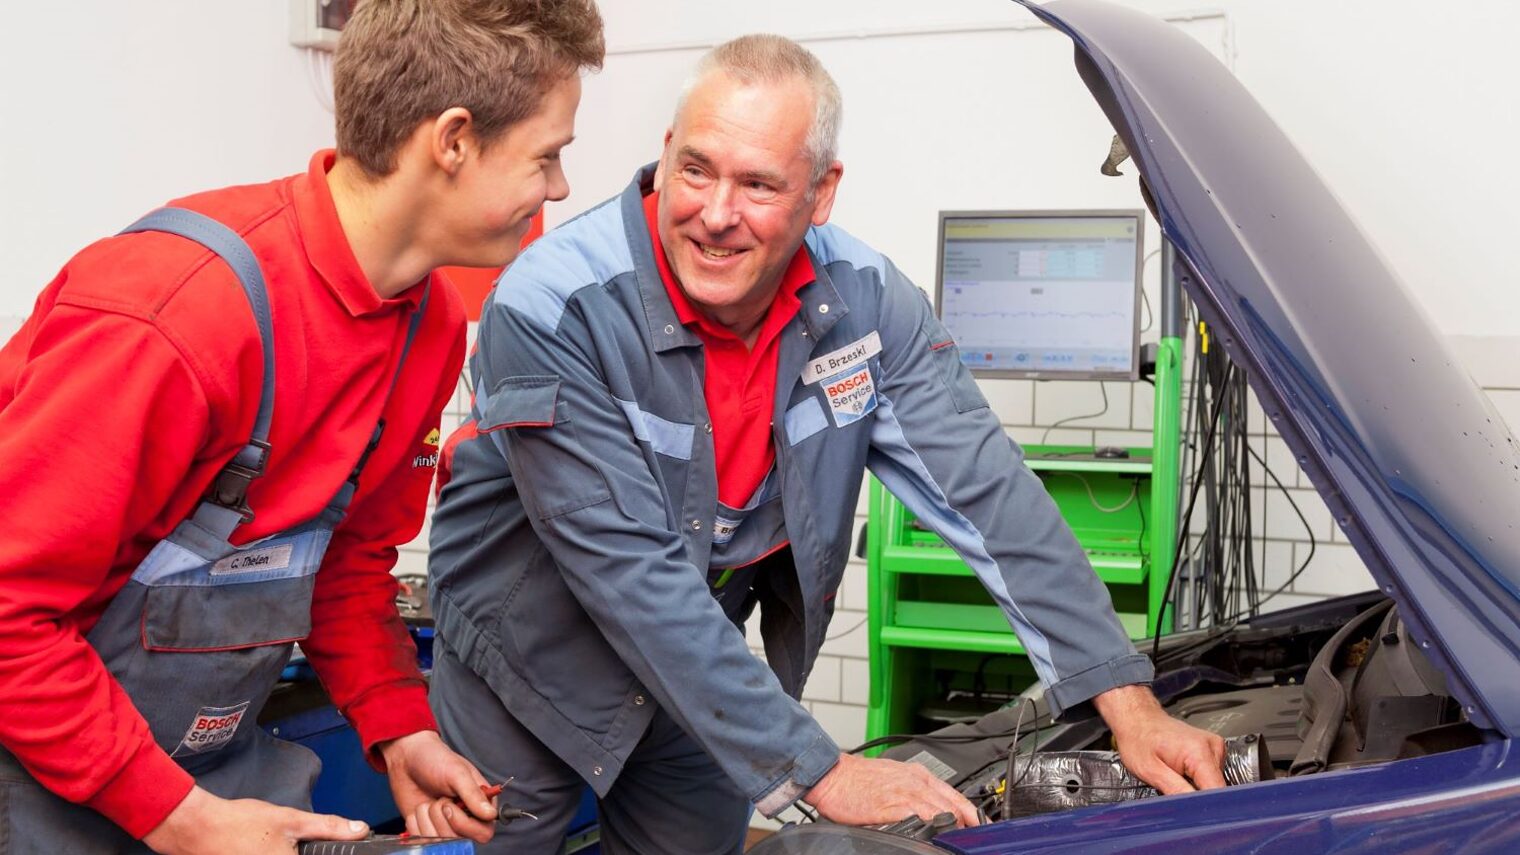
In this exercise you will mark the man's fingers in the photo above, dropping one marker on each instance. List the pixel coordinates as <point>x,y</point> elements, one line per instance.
<point>938,797</point>
<point>424,817</point>
<point>464,825</point>
<point>301,825</point>
<point>468,786</point>
<point>1160,776</point>
<point>966,814</point>
<point>1205,771</point>
<point>957,804</point>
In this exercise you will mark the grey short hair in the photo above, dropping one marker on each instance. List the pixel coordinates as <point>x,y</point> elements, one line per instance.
<point>762,57</point>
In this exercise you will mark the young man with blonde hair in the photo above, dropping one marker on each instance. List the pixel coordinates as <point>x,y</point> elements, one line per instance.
<point>680,392</point>
<point>215,429</point>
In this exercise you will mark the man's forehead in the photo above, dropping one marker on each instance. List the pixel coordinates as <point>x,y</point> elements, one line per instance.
<point>780,104</point>
<point>763,123</point>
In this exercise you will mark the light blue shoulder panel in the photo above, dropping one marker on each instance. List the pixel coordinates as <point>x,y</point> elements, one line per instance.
<point>830,243</point>
<point>590,250</point>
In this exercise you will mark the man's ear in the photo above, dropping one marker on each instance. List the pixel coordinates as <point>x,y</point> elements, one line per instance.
<point>824,191</point>
<point>451,139</point>
<point>659,167</point>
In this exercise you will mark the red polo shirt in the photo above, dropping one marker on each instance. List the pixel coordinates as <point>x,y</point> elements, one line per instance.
<point>135,378</point>
<point>740,383</point>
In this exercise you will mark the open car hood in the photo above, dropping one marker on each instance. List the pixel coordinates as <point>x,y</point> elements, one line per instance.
<point>1415,465</point>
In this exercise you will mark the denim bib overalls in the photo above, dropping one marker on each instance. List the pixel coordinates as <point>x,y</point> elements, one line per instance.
<point>200,633</point>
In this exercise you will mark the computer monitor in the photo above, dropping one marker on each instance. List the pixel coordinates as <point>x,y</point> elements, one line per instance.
<point>1046,295</point>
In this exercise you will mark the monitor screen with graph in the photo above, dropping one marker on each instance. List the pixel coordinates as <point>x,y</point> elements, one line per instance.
<point>1050,295</point>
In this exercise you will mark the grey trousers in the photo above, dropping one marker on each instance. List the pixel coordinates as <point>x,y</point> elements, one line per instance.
<point>671,798</point>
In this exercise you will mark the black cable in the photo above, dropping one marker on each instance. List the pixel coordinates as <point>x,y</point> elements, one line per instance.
<point>1171,576</point>
<point>1145,298</point>
<point>1191,583</point>
<point>1309,530</point>
<point>1013,751</point>
<point>1102,387</point>
<point>945,739</point>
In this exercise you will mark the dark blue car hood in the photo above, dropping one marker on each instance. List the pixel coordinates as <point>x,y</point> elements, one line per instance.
<point>1408,453</point>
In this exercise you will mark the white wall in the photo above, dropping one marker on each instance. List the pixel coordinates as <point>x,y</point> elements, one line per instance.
<point>110,109</point>
<point>1408,110</point>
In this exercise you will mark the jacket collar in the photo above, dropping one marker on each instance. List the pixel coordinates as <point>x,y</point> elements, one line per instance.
<point>665,329</point>
<point>822,307</point>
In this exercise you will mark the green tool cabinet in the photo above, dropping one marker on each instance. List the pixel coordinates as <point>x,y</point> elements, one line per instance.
<point>935,630</point>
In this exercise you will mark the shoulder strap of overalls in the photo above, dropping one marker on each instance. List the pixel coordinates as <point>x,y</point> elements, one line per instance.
<point>226,505</point>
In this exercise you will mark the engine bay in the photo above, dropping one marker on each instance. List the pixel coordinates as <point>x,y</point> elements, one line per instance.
<point>1331,686</point>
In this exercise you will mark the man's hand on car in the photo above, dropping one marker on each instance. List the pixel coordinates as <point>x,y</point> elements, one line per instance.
<point>874,791</point>
<point>204,824</point>
<point>1168,754</point>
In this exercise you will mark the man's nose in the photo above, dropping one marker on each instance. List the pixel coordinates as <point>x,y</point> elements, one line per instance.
<point>559,185</point>
<point>719,213</point>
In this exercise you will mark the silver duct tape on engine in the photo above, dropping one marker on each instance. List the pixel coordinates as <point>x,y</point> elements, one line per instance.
<point>1062,780</point>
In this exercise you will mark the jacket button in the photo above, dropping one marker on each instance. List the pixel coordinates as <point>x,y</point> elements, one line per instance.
<point>670,329</point>
<point>596,770</point>
<point>696,525</point>
<point>823,309</point>
<point>638,700</point>
<point>707,427</point>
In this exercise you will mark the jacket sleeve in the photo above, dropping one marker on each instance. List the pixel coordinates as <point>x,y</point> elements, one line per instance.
<point>358,644</point>
<point>86,462</point>
<point>596,506</point>
<point>937,447</point>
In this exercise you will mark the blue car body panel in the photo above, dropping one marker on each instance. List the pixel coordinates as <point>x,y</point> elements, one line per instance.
<point>1408,453</point>
<point>1464,801</point>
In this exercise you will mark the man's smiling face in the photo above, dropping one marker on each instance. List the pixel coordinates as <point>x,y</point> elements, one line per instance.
<point>737,193</point>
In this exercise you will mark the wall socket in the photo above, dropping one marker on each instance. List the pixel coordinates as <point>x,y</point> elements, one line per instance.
<point>316,23</point>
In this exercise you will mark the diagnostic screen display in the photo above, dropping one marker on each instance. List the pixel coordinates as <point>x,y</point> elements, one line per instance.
<point>1042,295</point>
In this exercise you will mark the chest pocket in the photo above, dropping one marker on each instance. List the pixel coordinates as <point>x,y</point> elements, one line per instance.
<point>531,406</point>
<point>257,596</point>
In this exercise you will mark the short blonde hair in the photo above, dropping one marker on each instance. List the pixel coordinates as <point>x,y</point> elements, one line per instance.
<point>402,62</point>
<point>763,57</point>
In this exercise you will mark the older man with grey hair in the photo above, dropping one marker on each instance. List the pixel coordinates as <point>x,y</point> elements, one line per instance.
<point>677,395</point>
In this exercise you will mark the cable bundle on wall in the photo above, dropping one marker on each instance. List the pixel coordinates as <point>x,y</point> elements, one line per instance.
<point>1217,572</point>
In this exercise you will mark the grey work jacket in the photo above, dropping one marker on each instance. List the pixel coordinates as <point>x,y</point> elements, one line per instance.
<point>571,548</point>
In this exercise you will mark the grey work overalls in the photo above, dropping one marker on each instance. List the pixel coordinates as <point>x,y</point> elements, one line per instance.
<point>200,633</point>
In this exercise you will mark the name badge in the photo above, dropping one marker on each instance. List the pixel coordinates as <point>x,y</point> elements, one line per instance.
<point>268,558</point>
<point>850,356</point>
<point>723,530</point>
<point>850,395</point>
